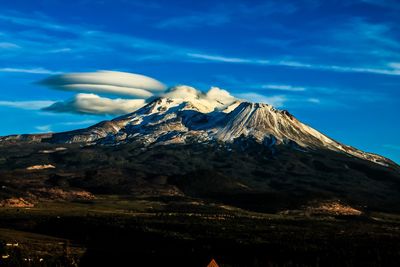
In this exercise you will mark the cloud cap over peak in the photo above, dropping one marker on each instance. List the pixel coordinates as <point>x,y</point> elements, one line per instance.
<point>215,98</point>
<point>189,93</point>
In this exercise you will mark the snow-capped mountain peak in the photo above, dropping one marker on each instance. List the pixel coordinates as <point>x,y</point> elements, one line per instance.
<point>184,115</point>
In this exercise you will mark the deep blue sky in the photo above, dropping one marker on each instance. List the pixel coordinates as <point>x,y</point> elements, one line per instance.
<point>334,64</point>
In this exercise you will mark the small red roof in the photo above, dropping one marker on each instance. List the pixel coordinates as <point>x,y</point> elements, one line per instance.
<point>212,263</point>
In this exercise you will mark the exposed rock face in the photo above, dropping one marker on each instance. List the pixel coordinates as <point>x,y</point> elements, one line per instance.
<point>332,208</point>
<point>61,194</point>
<point>325,208</point>
<point>16,203</point>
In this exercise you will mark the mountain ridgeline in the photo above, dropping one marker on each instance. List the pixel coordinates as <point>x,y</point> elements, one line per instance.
<point>249,155</point>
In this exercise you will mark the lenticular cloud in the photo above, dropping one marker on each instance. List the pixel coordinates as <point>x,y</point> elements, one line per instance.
<point>106,82</point>
<point>94,104</point>
<point>135,87</point>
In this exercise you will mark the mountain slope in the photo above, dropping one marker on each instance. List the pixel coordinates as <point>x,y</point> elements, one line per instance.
<point>196,117</point>
<point>205,146</point>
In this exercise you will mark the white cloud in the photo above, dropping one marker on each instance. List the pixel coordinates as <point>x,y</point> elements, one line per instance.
<point>60,50</point>
<point>364,36</point>
<point>314,100</point>
<point>368,35</point>
<point>218,58</point>
<point>282,87</point>
<point>388,69</point>
<point>220,95</point>
<point>29,70</point>
<point>220,14</point>
<point>276,100</point>
<point>6,45</point>
<point>107,89</point>
<point>94,104</point>
<point>72,124</point>
<point>17,20</point>
<point>29,105</point>
<point>394,65</point>
<point>78,123</point>
<point>182,92</point>
<point>137,87</point>
<point>44,128</point>
<point>369,44</point>
<point>110,82</point>
<point>215,98</point>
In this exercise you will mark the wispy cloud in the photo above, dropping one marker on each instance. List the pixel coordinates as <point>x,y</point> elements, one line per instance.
<point>221,14</point>
<point>62,125</point>
<point>37,23</point>
<point>365,34</point>
<point>276,100</point>
<point>134,44</point>
<point>282,87</point>
<point>7,45</point>
<point>302,95</point>
<point>392,146</point>
<point>391,68</point>
<point>314,100</point>
<point>29,105</point>
<point>88,41</point>
<point>360,40</point>
<point>43,128</point>
<point>61,50</point>
<point>226,59</point>
<point>280,101</point>
<point>30,70</point>
<point>194,21</point>
<point>78,123</point>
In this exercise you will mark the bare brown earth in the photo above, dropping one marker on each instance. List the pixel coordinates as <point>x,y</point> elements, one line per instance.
<point>16,203</point>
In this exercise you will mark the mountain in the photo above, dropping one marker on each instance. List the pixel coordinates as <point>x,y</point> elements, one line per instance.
<point>211,146</point>
<point>168,120</point>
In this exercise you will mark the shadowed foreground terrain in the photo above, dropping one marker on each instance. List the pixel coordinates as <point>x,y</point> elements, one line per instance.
<point>178,205</point>
<point>114,230</point>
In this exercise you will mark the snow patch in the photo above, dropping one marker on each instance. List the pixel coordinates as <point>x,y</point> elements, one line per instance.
<point>57,149</point>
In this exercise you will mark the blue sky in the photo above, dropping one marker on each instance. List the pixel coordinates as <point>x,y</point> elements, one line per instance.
<point>334,64</point>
